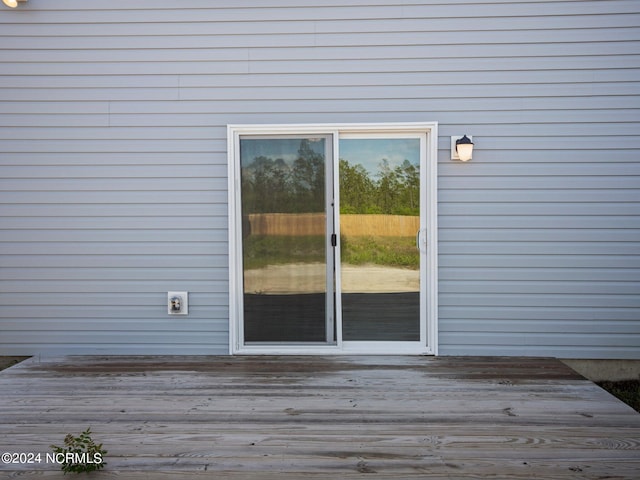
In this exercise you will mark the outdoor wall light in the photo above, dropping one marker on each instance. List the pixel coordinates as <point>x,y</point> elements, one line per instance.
<point>12,3</point>
<point>461,148</point>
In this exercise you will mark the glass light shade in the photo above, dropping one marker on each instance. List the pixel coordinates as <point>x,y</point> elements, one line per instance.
<point>10,3</point>
<point>465,151</point>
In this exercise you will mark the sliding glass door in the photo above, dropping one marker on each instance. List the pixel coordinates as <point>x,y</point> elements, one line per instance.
<point>329,247</point>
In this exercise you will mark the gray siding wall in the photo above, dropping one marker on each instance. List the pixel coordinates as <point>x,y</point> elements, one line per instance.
<point>113,160</point>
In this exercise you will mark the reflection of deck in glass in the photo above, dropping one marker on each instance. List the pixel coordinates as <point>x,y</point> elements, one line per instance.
<point>294,318</point>
<point>381,316</point>
<point>284,318</point>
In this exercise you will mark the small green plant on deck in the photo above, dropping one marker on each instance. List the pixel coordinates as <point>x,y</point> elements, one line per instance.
<point>80,454</point>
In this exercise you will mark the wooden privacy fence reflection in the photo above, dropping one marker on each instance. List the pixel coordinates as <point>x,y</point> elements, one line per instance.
<point>298,224</point>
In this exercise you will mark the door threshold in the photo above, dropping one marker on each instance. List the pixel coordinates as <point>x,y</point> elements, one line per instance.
<point>347,348</point>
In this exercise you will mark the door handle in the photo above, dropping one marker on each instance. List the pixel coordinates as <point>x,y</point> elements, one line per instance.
<point>418,244</point>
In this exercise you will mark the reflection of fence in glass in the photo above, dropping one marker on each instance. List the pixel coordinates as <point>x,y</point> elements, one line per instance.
<point>301,224</point>
<point>379,224</point>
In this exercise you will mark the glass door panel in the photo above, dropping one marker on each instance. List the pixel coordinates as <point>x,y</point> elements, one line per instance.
<point>379,181</point>
<point>286,254</point>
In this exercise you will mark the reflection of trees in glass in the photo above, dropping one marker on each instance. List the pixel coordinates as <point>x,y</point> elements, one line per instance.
<point>265,185</point>
<point>272,186</point>
<point>308,180</point>
<point>357,190</point>
<point>394,191</point>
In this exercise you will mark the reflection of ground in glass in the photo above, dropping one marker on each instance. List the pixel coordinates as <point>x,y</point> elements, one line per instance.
<point>310,278</point>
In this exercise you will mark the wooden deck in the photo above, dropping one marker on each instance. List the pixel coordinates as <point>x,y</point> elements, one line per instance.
<point>310,417</point>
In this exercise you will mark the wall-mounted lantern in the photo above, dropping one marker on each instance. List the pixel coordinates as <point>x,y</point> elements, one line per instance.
<point>461,148</point>
<point>12,3</point>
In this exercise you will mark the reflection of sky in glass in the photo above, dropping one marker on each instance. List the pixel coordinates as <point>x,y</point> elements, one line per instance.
<point>275,148</point>
<point>369,152</point>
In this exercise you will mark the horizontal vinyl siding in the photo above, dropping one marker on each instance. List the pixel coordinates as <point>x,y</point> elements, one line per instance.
<point>113,185</point>
<point>99,220</point>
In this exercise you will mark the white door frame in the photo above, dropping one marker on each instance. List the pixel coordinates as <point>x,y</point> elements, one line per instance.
<point>427,240</point>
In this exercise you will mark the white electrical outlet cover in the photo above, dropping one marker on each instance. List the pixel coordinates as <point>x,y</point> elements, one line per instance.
<point>184,303</point>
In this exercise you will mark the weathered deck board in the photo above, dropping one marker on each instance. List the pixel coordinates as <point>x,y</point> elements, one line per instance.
<point>317,417</point>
